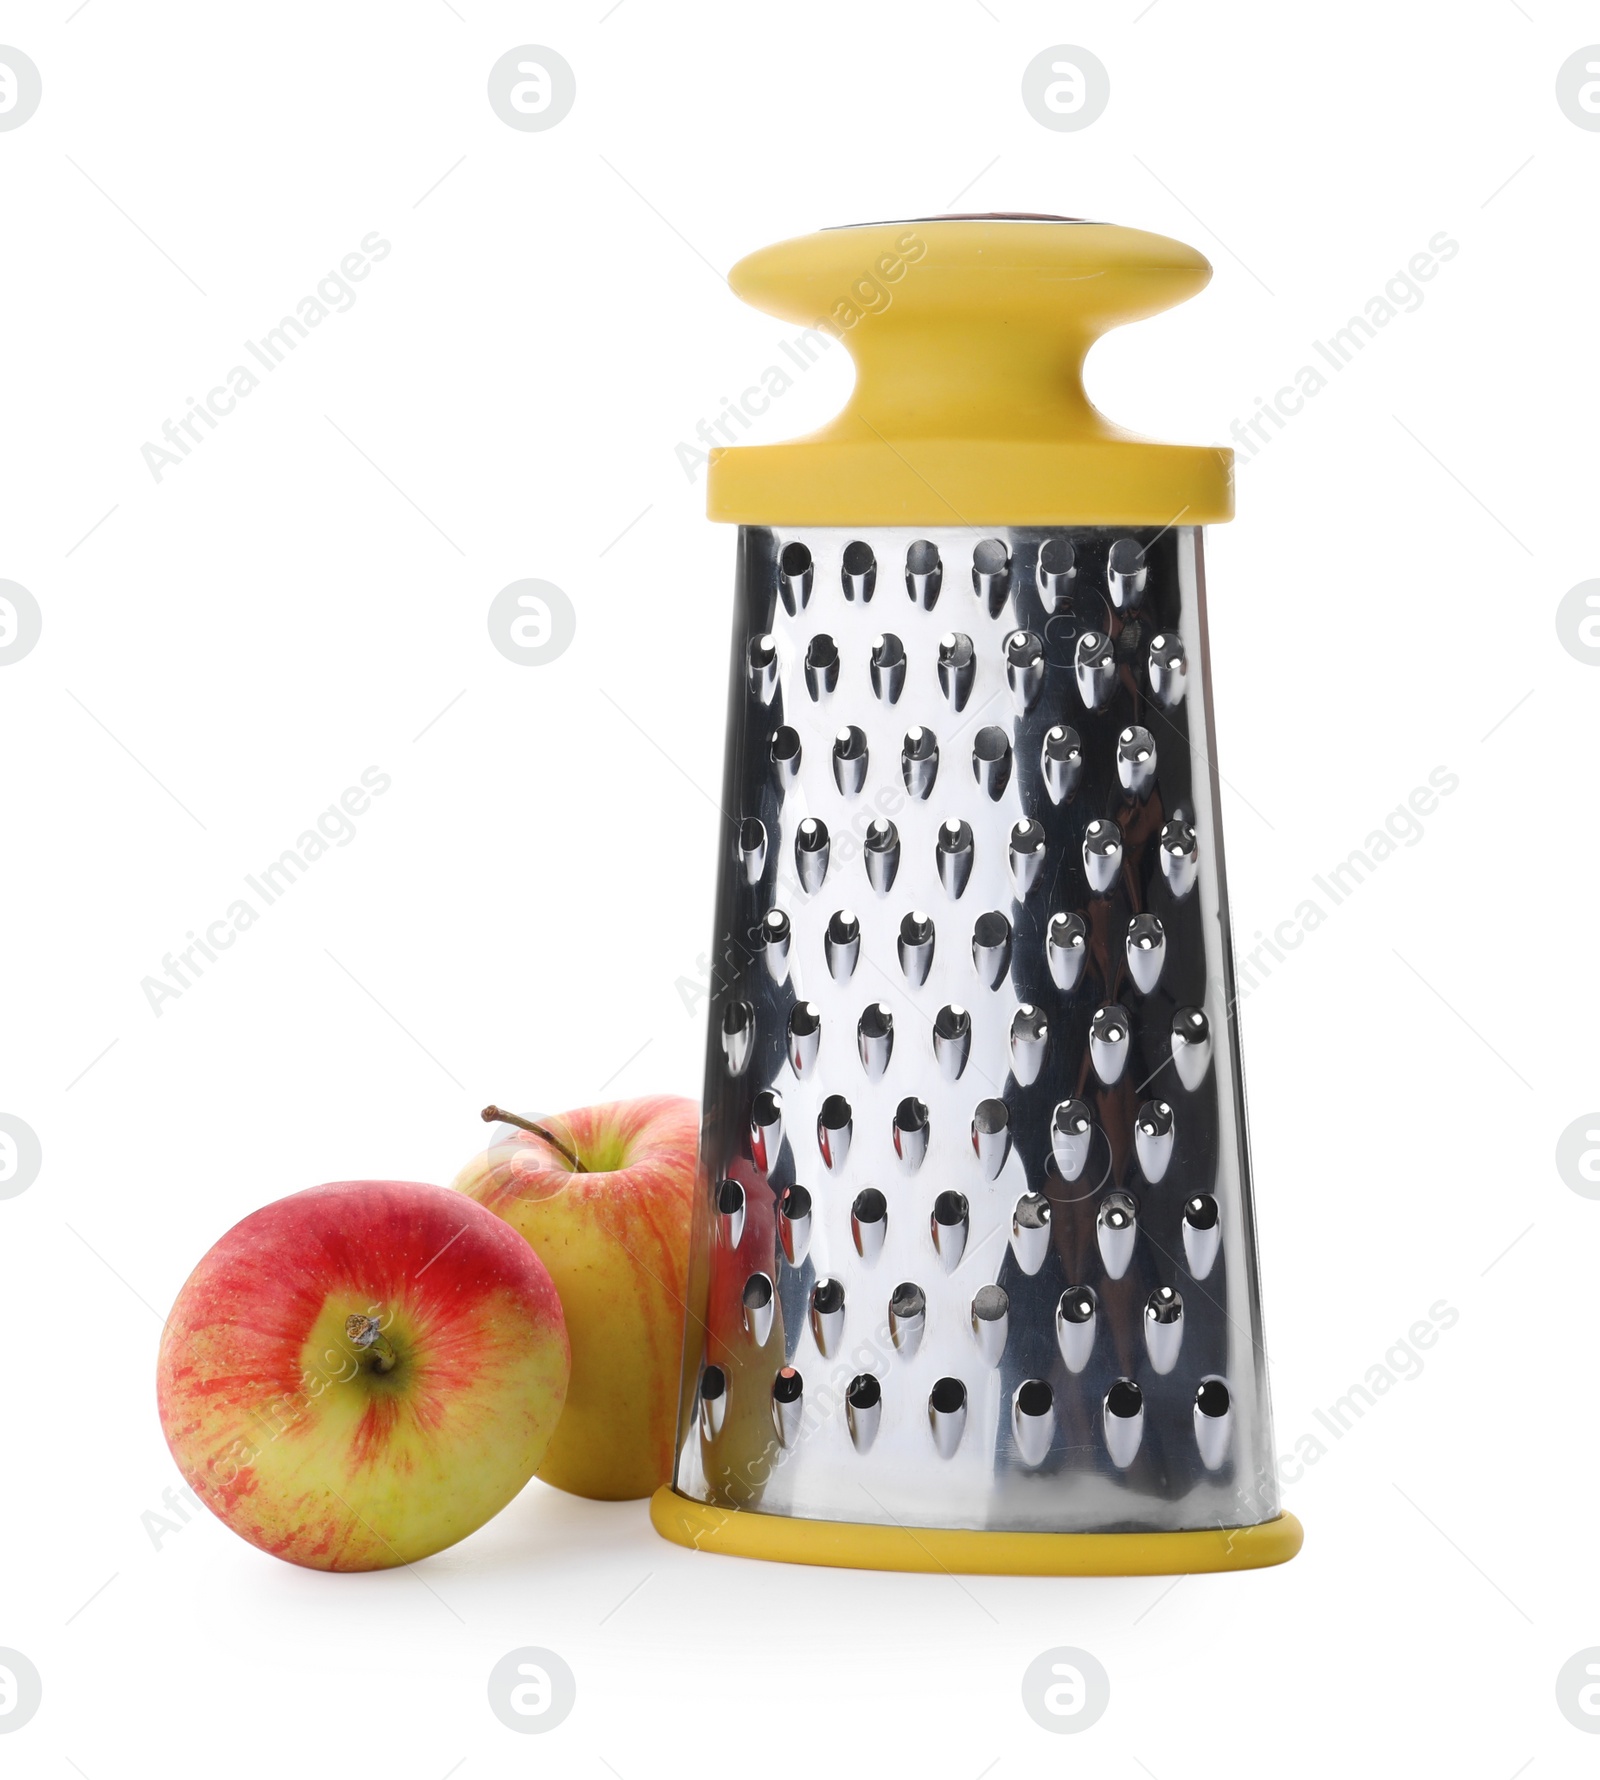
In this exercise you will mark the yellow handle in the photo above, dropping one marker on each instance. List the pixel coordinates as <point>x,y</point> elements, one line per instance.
<point>969,337</point>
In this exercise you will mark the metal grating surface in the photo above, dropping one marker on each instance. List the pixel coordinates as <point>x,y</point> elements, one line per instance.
<point>973,1234</point>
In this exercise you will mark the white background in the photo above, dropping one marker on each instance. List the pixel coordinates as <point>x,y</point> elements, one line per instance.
<point>224,651</point>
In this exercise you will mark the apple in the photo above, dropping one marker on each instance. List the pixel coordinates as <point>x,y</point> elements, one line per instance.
<point>604,1195</point>
<point>363,1373</point>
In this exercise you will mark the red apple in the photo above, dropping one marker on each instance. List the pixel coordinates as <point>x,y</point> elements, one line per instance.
<point>604,1195</point>
<point>362,1374</point>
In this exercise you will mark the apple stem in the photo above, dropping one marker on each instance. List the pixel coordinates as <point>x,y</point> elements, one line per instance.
<point>363,1332</point>
<point>492,1115</point>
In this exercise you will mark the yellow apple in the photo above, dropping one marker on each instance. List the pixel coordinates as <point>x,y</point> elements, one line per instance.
<point>603,1195</point>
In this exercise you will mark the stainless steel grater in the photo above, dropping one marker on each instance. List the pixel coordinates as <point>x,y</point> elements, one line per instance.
<point>973,1278</point>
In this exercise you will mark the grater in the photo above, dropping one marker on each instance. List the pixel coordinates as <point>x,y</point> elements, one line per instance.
<point>973,1279</point>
